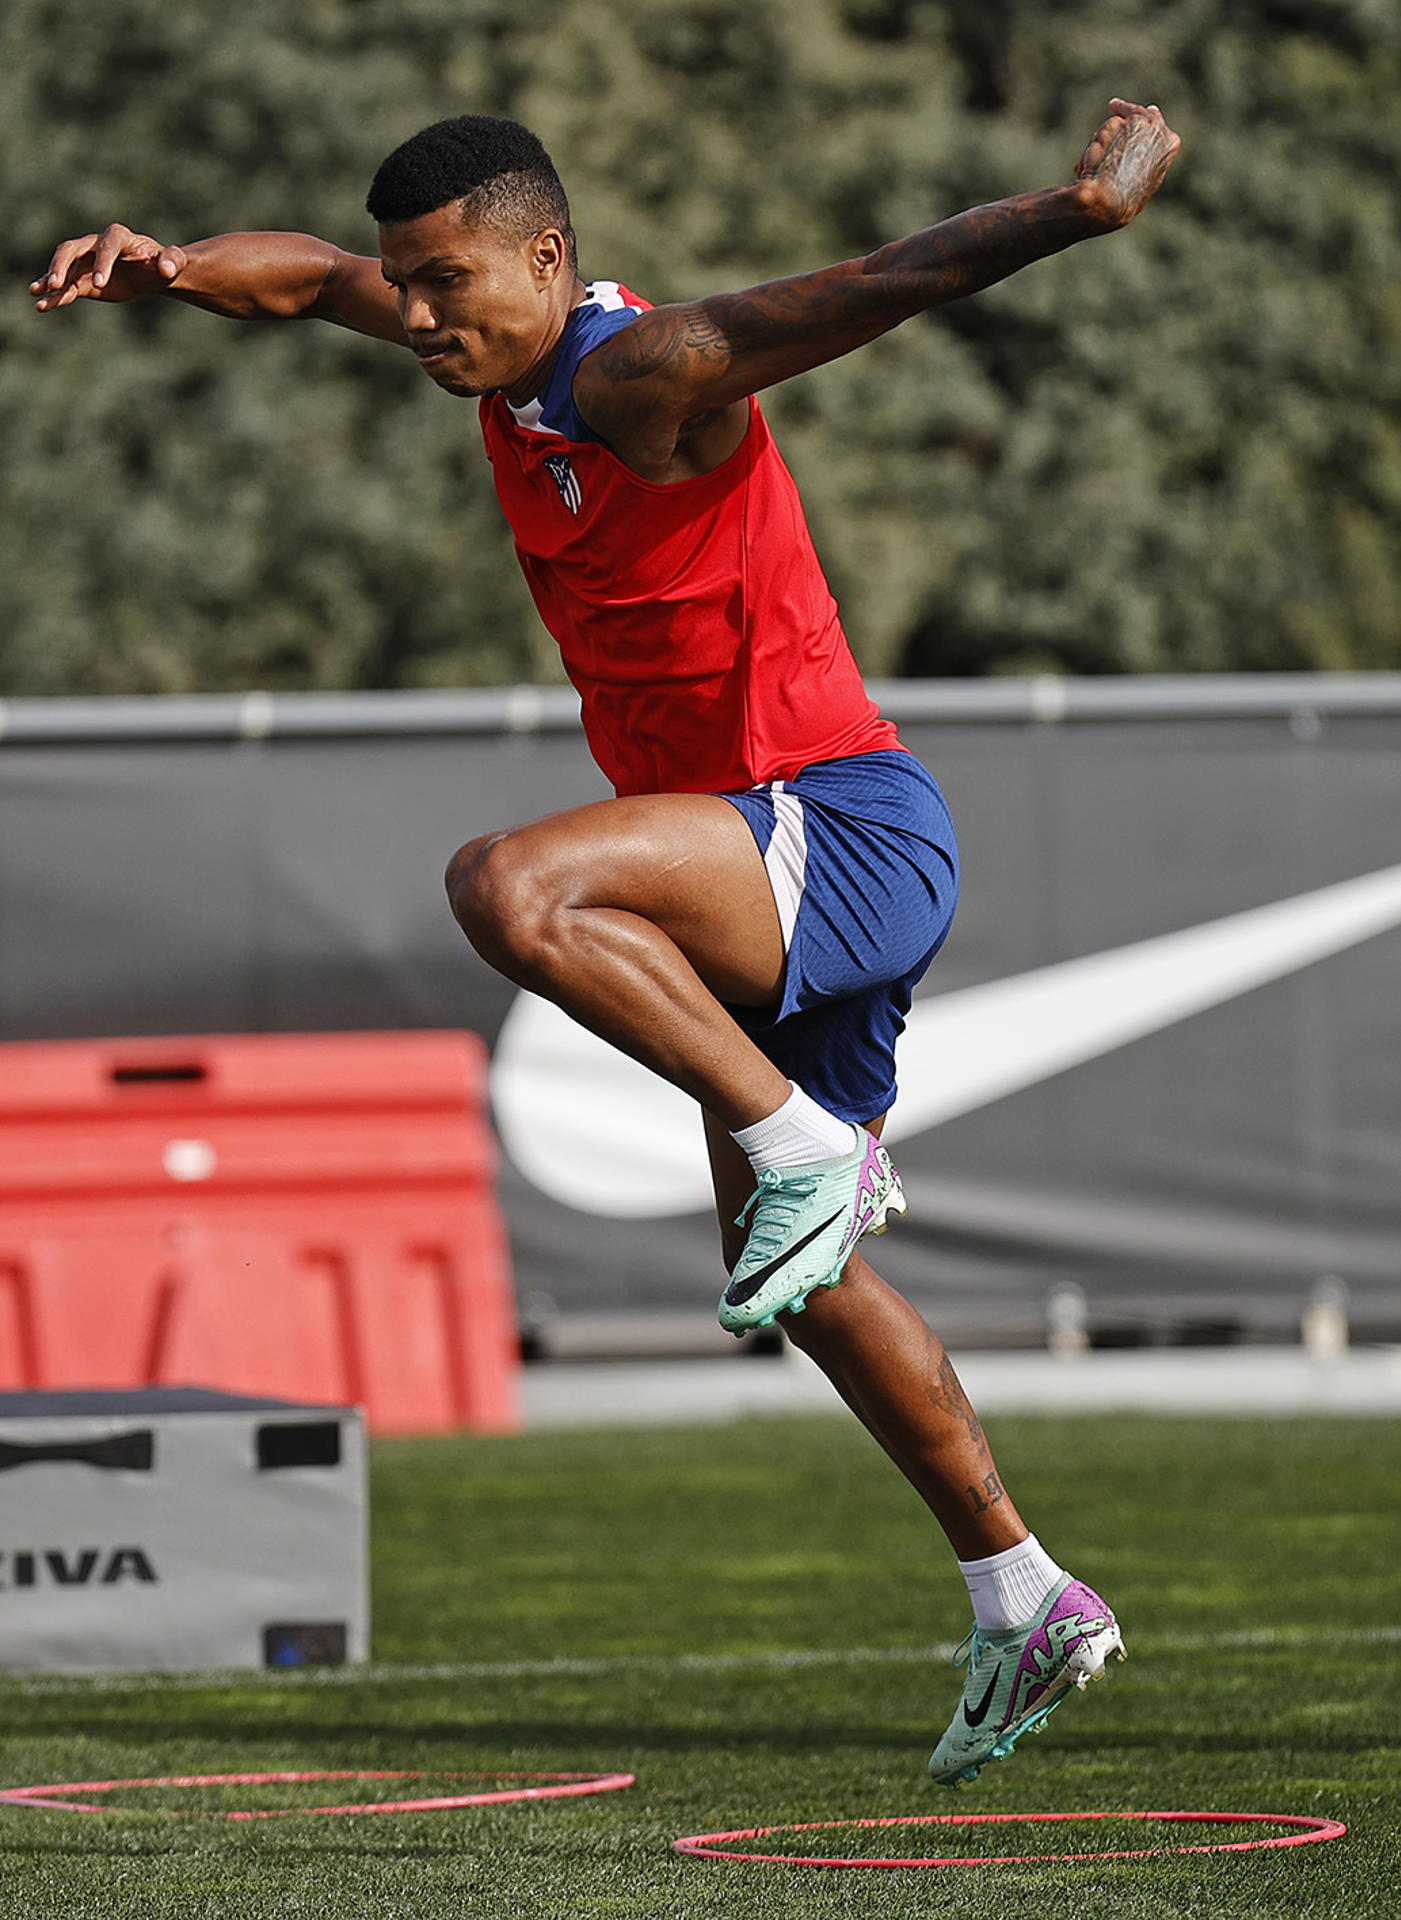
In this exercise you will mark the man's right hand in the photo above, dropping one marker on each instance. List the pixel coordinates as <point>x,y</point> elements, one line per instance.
<point>116,264</point>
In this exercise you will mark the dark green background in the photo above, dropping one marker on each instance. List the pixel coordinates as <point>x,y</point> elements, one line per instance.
<point>1176,448</point>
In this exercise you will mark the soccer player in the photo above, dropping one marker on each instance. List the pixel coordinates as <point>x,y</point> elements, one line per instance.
<point>750,915</point>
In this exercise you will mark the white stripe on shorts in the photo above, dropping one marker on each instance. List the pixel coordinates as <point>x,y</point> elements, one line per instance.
<point>786,857</point>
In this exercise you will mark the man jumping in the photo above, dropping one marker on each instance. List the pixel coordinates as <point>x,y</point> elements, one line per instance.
<point>750,915</point>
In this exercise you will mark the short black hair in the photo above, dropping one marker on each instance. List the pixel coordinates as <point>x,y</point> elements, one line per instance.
<point>498,169</point>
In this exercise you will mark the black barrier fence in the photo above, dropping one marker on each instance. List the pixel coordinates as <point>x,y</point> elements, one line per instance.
<point>1152,1077</point>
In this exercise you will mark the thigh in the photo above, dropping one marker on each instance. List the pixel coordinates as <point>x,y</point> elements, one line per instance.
<point>686,862</point>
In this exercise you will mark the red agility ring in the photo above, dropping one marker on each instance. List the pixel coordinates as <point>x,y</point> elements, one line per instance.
<point>556,1786</point>
<point>701,1846</point>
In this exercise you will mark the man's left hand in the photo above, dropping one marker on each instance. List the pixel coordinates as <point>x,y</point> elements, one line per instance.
<point>1125,163</point>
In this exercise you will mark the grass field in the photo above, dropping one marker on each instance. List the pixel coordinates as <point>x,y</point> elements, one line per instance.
<point>742,1617</point>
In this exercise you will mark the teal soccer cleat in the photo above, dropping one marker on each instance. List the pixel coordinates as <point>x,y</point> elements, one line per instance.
<point>1015,1680</point>
<point>806,1220</point>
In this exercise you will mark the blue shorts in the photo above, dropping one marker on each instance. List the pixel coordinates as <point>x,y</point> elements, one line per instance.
<point>864,867</point>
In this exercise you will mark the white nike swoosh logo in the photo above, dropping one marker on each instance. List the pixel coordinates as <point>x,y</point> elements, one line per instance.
<point>592,1129</point>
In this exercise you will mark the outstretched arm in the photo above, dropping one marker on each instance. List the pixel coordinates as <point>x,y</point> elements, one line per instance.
<point>651,386</point>
<point>247,276</point>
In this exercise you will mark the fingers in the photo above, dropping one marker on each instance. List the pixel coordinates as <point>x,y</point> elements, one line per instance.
<point>113,246</point>
<point>1126,111</point>
<point>1104,135</point>
<point>51,298</point>
<point>1100,143</point>
<point>83,269</point>
<point>1148,122</point>
<point>59,268</point>
<point>1092,155</point>
<point>65,254</point>
<point>1127,118</point>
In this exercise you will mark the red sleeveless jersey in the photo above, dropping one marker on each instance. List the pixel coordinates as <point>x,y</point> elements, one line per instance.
<point>694,619</point>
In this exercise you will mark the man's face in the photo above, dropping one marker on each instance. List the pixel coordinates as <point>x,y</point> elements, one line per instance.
<point>481,310</point>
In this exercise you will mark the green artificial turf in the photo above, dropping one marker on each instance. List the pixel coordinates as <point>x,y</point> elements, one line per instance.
<point>624,1601</point>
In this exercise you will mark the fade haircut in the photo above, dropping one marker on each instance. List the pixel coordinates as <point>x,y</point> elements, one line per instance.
<point>497,169</point>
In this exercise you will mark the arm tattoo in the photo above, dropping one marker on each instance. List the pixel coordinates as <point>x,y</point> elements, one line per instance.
<point>817,316</point>
<point>675,364</point>
<point>666,336</point>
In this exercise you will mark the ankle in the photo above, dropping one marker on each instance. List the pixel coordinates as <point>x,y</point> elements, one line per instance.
<point>798,1132</point>
<point>1008,1588</point>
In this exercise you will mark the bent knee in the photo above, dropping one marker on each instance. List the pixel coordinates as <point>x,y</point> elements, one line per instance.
<point>484,883</point>
<point>497,897</point>
<point>460,875</point>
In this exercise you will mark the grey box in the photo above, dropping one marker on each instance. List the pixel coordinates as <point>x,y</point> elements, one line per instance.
<point>171,1528</point>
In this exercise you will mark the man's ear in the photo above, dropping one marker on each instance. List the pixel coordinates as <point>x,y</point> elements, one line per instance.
<point>548,254</point>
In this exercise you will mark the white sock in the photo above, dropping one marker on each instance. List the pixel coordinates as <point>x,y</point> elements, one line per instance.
<point>1008,1588</point>
<point>798,1132</point>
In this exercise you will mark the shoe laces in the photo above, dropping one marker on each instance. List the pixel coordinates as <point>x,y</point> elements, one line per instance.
<point>774,1204</point>
<point>970,1649</point>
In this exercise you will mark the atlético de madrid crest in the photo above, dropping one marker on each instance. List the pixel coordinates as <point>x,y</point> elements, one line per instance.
<point>565,479</point>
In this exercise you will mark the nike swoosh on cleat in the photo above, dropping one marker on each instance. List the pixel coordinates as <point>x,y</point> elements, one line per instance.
<point>738,1292</point>
<point>975,1716</point>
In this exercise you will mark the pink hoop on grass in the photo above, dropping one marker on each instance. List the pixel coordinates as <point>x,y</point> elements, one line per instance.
<point>557,1786</point>
<point>702,1846</point>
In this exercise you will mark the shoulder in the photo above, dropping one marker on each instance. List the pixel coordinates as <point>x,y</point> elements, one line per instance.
<point>604,311</point>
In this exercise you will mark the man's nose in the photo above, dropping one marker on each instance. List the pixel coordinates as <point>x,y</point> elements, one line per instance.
<point>419,315</point>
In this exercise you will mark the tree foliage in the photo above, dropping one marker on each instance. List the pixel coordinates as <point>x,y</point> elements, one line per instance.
<point>1175,448</point>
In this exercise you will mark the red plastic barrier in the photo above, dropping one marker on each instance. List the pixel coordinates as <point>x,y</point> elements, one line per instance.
<point>309,1216</point>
